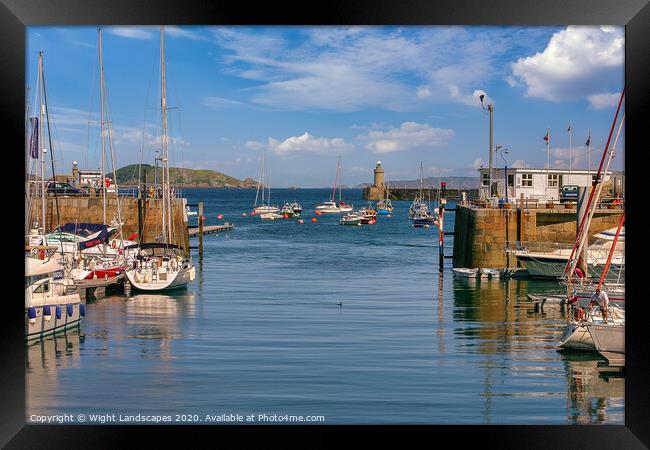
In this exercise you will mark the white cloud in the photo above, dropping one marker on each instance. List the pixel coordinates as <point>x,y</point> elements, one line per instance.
<point>220,102</point>
<point>132,32</point>
<point>179,32</point>
<point>602,101</point>
<point>478,163</point>
<point>305,143</point>
<point>410,135</point>
<point>351,68</point>
<point>577,62</point>
<point>520,163</point>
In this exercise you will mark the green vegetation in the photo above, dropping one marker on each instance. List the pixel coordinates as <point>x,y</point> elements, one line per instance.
<point>128,175</point>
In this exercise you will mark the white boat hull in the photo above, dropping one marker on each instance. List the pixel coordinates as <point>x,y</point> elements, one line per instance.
<point>143,280</point>
<point>576,336</point>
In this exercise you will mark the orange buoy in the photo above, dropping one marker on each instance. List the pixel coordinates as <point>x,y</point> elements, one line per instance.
<point>318,213</point>
<point>313,219</point>
<point>253,213</point>
<point>286,216</point>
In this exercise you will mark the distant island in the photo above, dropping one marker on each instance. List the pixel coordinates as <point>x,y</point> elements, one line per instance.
<point>128,176</point>
<point>433,182</point>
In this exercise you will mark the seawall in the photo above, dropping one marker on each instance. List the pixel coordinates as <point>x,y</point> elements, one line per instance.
<point>480,234</point>
<point>90,210</point>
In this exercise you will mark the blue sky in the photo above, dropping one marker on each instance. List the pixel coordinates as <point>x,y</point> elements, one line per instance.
<point>304,95</point>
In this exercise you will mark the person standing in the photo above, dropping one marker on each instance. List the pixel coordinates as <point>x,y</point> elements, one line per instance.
<point>601,299</point>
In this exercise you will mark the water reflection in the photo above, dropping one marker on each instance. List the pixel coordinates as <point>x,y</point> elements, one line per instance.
<point>44,360</point>
<point>591,394</point>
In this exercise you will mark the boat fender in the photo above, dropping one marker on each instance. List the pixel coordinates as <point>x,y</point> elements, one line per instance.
<point>31,314</point>
<point>82,310</point>
<point>41,254</point>
<point>57,311</point>
<point>69,309</point>
<point>47,313</point>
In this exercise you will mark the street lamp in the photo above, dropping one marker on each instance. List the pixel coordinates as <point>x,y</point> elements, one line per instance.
<point>490,109</point>
<point>504,151</point>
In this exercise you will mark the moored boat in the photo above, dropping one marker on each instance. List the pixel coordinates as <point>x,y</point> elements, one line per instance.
<point>51,302</point>
<point>350,219</point>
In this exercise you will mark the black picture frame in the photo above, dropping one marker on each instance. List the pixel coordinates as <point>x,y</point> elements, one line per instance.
<point>15,15</point>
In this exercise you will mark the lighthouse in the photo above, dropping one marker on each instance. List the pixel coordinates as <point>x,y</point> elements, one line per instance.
<point>379,176</point>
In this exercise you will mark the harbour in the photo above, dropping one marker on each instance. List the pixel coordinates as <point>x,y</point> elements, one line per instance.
<point>493,297</point>
<point>386,355</point>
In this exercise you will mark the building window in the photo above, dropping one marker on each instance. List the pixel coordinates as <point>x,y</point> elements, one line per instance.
<point>553,180</point>
<point>511,180</point>
<point>486,179</point>
<point>526,179</point>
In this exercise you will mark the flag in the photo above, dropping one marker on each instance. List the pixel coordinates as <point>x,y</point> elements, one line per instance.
<point>33,139</point>
<point>546,137</point>
<point>588,143</point>
<point>569,129</point>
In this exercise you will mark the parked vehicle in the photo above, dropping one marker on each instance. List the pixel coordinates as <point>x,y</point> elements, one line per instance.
<point>569,193</point>
<point>64,189</point>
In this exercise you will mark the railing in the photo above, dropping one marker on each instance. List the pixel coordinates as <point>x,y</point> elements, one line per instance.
<point>537,203</point>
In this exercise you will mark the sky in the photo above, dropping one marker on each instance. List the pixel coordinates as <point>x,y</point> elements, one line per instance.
<point>305,95</point>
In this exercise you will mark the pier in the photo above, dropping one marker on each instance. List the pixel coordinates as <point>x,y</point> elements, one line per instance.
<point>210,229</point>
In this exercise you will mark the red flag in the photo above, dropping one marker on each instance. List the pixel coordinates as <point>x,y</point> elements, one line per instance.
<point>546,137</point>
<point>588,141</point>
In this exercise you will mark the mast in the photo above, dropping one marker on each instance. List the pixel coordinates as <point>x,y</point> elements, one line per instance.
<point>166,209</point>
<point>338,176</point>
<point>41,107</point>
<point>593,197</point>
<point>101,119</point>
<point>259,183</point>
<point>104,107</point>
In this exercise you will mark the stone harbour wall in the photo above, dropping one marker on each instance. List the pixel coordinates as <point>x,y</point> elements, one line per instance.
<point>90,210</point>
<point>480,234</point>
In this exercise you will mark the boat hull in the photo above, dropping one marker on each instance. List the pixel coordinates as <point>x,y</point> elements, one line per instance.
<point>576,336</point>
<point>549,267</point>
<point>42,326</point>
<point>179,279</point>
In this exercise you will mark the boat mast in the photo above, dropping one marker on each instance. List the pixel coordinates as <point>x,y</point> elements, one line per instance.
<point>166,209</point>
<point>338,176</point>
<point>109,136</point>
<point>259,183</point>
<point>40,137</point>
<point>101,119</point>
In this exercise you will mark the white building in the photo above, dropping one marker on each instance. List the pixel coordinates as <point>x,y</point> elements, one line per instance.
<point>540,184</point>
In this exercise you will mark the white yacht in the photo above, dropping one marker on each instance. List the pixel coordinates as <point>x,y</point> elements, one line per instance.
<point>157,266</point>
<point>51,301</point>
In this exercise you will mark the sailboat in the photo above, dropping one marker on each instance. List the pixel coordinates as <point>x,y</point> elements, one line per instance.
<point>419,213</point>
<point>584,331</point>
<point>265,209</point>
<point>384,206</point>
<point>156,266</point>
<point>51,301</point>
<point>331,207</point>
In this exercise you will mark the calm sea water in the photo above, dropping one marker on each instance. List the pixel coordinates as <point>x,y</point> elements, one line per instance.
<point>260,331</point>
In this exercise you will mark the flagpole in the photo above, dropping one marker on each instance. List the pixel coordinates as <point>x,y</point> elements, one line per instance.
<point>589,153</point>
<point>548,154</point>
<point>570,158</point>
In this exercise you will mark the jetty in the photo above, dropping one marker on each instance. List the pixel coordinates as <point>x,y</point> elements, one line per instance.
<point>209,229</point>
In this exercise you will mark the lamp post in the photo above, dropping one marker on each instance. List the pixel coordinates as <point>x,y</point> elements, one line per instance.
<point>490,109</point>
<point>504,151</point>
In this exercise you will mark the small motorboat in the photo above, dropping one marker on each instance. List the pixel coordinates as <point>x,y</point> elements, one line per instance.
<point>490,273</point>
<point>271,216</point>
<point>350,219</point>
<point>465,272</point>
